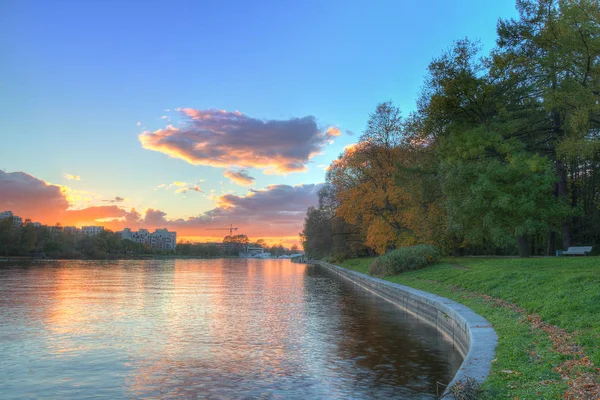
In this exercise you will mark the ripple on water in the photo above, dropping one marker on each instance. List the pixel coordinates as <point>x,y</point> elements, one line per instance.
<point>208,328</point>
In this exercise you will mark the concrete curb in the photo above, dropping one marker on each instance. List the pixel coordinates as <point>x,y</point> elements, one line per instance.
<point>471,334</point>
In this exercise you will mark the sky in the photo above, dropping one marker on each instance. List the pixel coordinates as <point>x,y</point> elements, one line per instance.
<point>194,115</point>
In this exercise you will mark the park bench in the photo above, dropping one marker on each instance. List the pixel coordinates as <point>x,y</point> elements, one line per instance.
<point>577,251</point>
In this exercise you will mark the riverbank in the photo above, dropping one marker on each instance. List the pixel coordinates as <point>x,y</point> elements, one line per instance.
<point>544,310</point>
<point>117,258</point>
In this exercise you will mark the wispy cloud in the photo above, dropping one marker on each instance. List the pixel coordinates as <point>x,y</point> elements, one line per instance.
<point>224,139</point>
<point>241,177</point>
<point>117,199</point>
<point>72,177</point>
<point>184,190</point>
<point>170,185</point>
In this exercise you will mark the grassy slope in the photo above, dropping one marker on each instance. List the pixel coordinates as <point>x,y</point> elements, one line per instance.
<point>563,291</point>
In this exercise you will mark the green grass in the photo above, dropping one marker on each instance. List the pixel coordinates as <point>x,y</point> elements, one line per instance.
<point>563,291</point>
<point>358,264</point>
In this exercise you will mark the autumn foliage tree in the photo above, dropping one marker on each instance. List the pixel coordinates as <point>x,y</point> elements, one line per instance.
<point>366,180</point>
<point>502,154</point>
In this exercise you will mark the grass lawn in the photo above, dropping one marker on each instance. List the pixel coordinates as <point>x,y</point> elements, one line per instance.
<point>546,312</point>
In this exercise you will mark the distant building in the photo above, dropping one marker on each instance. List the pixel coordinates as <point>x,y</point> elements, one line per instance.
<point>253,250</point>
<point>141,236</point>
<point>91,230</point>
<point>160,239</point>
<point>55,229</point>
<point>17,222</point>
<point>72,230</point>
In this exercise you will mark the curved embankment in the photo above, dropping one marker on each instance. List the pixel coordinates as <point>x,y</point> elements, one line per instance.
<point>472,335</point>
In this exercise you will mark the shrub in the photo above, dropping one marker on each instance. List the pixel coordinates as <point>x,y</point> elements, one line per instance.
<point>405,259</point>
<point>337,258</point>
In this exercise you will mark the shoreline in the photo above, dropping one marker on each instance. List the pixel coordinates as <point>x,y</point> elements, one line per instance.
<point>150,257</point>
<point>471,334</point>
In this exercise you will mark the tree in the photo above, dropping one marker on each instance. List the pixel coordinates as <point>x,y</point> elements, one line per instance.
<point>553,50</point>
<point>316,236</point>
<point>478,122</point>
<point>363,180</point>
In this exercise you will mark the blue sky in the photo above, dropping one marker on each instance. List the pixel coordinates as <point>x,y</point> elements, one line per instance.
<point>77,77</point>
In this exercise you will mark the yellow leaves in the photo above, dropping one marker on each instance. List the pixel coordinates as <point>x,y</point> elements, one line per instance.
<point>390,214</point>
<point>380,236</point>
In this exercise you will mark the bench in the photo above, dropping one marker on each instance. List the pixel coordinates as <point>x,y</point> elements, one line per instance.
<point>577,251</point>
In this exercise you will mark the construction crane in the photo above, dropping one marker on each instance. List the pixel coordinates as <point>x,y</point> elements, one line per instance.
<point>230,229</point>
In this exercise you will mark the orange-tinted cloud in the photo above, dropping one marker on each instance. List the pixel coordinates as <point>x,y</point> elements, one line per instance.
<point>272,212</point>
<point>333,131</point>
<point>224,139</point>
<point>276,211</point>
<point>29,197</point>
<point>240,177</point>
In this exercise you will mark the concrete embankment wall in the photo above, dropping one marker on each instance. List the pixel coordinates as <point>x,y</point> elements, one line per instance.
<point>471,334</point>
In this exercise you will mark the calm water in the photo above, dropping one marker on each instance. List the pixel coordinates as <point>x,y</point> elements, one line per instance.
<point>207,329</point>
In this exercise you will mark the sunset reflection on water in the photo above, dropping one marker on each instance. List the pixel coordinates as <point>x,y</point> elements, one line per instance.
<point>227,328</point>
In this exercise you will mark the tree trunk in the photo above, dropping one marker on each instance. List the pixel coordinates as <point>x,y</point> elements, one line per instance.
<point>523,246</point>
<point>563,193</point>
<point>551,250</point>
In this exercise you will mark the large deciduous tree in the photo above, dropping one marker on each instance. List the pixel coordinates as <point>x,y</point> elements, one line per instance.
<point>553,51</point>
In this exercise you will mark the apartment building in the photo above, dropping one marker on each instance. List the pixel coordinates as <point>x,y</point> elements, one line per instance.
<point>71,230</point>
<point>17,222</point>
<point>160,239</point>
<point>91,230</point>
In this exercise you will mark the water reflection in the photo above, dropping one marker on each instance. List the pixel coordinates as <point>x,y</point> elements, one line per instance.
<point>208,329</point>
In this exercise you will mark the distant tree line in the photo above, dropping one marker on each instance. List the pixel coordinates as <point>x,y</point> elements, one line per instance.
<point>501,157</point>
<point>53,242</point>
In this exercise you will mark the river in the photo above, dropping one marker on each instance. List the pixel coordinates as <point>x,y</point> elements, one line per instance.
<point>224,328</point>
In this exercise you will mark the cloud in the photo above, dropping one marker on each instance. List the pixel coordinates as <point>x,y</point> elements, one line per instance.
<point>240,177</point>
<point>223,139</point>
<point>115,200</point>
<point>276,211</point>
<point>182,187</point>
<point>72,177</point>
<point>184,190</point>
<point>30,197</point>
<point>33,198</point>
<point>333,131</point>
<point>139,123</point>
<point>93,213</point>
<point>170,185</point>
<point>155,217</point>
